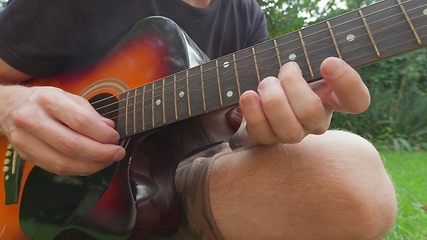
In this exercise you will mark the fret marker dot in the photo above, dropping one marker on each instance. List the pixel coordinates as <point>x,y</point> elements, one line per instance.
<point>158,102</point>
<point>425,12</point>
<point>292,57</point>
<point>181,94</point>
<point>226,65</point>
<point>6,177</point>
<point>229,94</point>
<point>350,37</point>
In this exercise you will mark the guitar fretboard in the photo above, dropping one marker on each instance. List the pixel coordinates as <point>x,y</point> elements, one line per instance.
<point>360,37</point>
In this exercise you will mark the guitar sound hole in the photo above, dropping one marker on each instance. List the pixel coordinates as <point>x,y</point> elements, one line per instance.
<point>106,105</point>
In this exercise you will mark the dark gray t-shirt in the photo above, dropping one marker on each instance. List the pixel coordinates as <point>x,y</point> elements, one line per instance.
<point>42,37</point>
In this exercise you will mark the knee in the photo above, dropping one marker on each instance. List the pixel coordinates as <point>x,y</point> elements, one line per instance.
<point>363,194</point>
<point>341,185</point>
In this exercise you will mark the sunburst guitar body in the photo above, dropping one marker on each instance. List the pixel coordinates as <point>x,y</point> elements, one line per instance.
<point>154,84</point>
<point>132,199</point>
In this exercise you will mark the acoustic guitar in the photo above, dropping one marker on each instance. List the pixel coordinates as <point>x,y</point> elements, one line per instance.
<point>153,84</point>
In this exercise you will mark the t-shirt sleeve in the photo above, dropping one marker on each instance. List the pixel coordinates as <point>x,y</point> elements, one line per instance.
<point>37,35</point>
<point>259,32</point>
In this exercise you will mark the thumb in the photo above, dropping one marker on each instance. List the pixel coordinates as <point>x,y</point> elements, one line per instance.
<point>346,90</point>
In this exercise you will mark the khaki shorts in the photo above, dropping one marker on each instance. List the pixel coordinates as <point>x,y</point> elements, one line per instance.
<point>192,183</point>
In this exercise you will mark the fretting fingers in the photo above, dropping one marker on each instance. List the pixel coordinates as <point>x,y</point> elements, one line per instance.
<point>256,121</point>
<point>347,92</point>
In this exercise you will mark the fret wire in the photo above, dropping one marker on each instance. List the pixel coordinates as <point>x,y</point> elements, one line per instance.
<point>392,46</point>
<point>277,53</point>
<point>361,46</point>
<point>410,23</point>
<point>188,93</point>
<point>331,32</point>
<point>152,104</point>
<point>175,97</point>
<point>370,14</point>
<point>203,88</point>
<point>344,23</point>
<point>239,91</point>
<point>256,64</point>
<point>306,55</point>
<point>163,102</point>
<point>389,47</point>
<point>143,107</point>
<point>370,34</point>
<point>340,24</point>
<point>219,83</point>
<point>134,109</point>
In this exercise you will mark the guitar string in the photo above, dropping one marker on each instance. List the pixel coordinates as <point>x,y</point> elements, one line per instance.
<point>151,127</point>
<point>152,90</point>
<point>290,51</point>
<point>233,79</point>
<point>154,97</point>
<point>150,99</point>
<point>287,43</point>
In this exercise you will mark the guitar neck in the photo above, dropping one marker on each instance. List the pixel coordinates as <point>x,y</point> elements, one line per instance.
<point>360,37</point>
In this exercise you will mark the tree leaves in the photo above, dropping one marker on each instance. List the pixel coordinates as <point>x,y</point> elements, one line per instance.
<point>284,16</point>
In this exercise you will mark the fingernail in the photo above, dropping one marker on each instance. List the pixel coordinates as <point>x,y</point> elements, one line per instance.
<point>268,82</point>
<point>248,100</point>
<point>119,156</point>
<point>116,138</point>
<point>334,67</point>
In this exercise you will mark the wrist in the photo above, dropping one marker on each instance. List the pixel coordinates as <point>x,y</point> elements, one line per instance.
<point>11,99</point>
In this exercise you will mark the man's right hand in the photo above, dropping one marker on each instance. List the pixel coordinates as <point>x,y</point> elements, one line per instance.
<point>57,131</point>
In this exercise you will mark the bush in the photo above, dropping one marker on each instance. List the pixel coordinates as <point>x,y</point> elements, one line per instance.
<point>387,124</point>
<point>397,117</point>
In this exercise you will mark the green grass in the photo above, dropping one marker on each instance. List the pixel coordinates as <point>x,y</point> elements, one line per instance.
<point>408,171</point>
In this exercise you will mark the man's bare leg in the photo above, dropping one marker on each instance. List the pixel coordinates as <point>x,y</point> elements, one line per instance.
<point>331,186</point>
